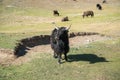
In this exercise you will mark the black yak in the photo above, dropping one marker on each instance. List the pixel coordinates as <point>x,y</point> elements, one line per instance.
<point>104,1</point>
<point>74,0</point>
<point>60,42</point>
<point>88,13</point>
<point>65,19</point>
<point>99,6</point>
<point>55,13</point>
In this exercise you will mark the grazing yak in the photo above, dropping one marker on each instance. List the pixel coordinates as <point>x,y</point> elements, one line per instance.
<point>60,42</point>
<point>74,0</point>
<point>55,13</point>
<point>65,19</point>
<point>88,13</point>
<point>104,1</point>
<point>99,6</point>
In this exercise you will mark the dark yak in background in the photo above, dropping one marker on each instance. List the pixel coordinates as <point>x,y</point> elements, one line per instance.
<point>55,13</point>
<point>104,1</point>
<point>65,19</point>
<point>88,13</point>
<point>74,0</point>
<point>60,42</point>
<point>99,6</point>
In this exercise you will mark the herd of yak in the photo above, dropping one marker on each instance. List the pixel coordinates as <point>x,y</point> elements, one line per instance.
<point>85,13</point>
<point>59,37</point>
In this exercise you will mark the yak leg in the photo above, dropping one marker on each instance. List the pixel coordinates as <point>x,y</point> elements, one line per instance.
<point>59,58</point>
<point>65,56</point>
<point>58,14</point>
<point>55,55</point>
<point>83,16</point>
<point>91,15</point>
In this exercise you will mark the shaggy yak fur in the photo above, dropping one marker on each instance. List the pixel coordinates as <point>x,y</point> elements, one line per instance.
<point>88,13</point>
<point>60,42</point>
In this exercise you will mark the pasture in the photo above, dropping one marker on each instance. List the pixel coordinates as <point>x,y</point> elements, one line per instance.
<point>98,60</point>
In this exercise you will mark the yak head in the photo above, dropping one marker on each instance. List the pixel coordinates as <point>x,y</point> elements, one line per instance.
<point>61,32</point>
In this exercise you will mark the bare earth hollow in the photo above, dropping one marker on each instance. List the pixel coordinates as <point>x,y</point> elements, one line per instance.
<point>7,57</point>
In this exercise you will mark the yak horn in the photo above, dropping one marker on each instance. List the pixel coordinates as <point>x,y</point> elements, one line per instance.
<point>57,28</point>
<point>55,25</point>
<point>68,27</point>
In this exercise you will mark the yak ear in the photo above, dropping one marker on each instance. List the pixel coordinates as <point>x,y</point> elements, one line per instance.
<point>68,27</point>
<point>55,25</point>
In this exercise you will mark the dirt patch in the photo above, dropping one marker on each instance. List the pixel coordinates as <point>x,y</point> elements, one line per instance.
<point>83,40</point>
<point>7,56</point>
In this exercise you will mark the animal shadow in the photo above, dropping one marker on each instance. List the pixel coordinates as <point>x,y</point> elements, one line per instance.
<point>20,50</point>
<point>92,58</point>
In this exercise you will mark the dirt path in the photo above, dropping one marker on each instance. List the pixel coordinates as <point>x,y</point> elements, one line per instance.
<point>7,57</point>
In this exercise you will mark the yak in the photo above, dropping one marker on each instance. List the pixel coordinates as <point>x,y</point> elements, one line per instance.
<point>60,42</point>
<point>65,19</point>
<point>104,1</point>
<point>88,13</point>
<point>99,6</point>
<point>55,13</point>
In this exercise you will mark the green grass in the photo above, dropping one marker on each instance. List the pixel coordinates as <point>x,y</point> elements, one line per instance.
<point>24,11</point>
<point>10,40</point>
<point>25,28</point>
<point>44,67</point>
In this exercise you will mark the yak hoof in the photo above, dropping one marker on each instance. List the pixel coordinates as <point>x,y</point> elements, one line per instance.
<point>55,56</point>
<point>66,60</point>
<point>59,62</point>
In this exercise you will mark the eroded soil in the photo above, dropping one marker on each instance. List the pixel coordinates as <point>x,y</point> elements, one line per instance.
<point>7,56</point>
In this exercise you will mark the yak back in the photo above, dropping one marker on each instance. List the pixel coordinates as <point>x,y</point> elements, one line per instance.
<point>88,13</point>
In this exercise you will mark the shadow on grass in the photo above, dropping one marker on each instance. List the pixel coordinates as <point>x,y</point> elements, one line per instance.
<point>20,50</point>
<point>92,58</point>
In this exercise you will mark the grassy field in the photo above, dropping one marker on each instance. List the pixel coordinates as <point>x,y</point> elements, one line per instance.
<point>97,61</point>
